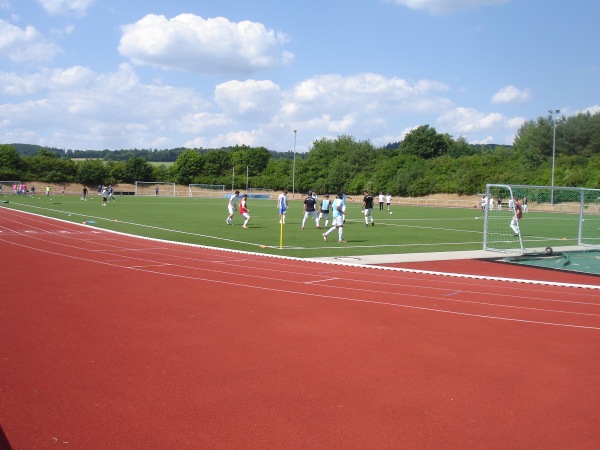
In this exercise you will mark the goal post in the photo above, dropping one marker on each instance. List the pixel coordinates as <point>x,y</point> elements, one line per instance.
<point>555,218</point>
<point>7,187</point>
<point>155,188</point>
<point>206,190</point>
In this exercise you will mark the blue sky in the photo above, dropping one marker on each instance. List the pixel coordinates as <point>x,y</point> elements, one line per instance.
<point>97,74</point>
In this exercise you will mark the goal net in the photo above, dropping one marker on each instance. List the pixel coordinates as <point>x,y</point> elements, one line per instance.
<point>155,188</point>
<point>553,218</point>
<point>206,190</point>
<point>7,187</point>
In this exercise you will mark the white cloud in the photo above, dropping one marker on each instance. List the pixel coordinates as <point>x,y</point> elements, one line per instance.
<point>468,121</point>
<point>252,99</point>
<point>591,109</point>
<point>365,93</point>
<point>189,42</point>
<point>511,94</point>
<point>442,7</point>
<point>79,108</point>
<point>58,7</point>
<point>25,45</point>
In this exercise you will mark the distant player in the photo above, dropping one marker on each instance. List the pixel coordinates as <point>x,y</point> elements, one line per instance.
<point>282,204</point>
<point>388,200</point>
<point>514,223</point>
<point>367,207</point>
<point>244,211</point>
<point>232,207</point>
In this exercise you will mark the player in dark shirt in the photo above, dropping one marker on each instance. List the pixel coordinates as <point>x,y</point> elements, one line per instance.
<point>310,209</point>
<point>367,207</point>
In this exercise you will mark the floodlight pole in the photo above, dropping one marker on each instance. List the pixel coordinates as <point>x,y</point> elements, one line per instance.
<point>552,114</point>
<point>294,166</point>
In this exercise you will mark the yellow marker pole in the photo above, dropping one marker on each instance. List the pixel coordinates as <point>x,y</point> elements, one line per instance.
<point>280,230</point>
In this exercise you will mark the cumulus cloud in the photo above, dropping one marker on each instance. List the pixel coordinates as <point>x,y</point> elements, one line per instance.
<point>253,99</point>
<point>80,108</point>
<point>468,121</point>
<point>99,110</point>
<point>443,7</point>
<point>211,46</point>
<point>366,92</point>
<point>511,94</point>
<point>58,7</point>
<point>25,45</point>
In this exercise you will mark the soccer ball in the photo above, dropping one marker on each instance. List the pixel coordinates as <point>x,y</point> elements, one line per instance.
<point>390,212</point>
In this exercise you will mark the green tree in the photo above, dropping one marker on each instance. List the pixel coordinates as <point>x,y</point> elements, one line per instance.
<point>48,167</point>
<point>188,167</point>
<point>217,163</point>
<point>137,169</point>
<point>91,172</point>
<point>11,164</point>
<point>425,143</point>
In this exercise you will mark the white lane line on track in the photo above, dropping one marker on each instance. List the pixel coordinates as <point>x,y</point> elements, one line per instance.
<point>319,295</point>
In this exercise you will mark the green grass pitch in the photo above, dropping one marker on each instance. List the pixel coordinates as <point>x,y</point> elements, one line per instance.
<point>202,221</point>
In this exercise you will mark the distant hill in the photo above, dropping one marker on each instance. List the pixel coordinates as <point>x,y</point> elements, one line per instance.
<point>168,155</point>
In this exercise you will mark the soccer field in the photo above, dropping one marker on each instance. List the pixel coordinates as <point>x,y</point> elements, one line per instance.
<point>202,221</point>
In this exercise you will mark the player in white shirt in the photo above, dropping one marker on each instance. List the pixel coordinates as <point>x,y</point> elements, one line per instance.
<point>232,207</point>
<point>338,218</point>
<point>282,203</point>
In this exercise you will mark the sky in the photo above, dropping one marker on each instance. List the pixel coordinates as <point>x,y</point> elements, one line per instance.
<point>149,74</point>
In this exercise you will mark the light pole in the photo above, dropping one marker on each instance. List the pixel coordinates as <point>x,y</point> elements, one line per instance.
<point>553,112</point>
<point>294,166</point>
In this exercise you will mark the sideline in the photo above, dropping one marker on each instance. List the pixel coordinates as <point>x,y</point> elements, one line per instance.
<point>359,261</point>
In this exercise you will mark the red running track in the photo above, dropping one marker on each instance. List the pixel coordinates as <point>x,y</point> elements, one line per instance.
<point>111,341</point>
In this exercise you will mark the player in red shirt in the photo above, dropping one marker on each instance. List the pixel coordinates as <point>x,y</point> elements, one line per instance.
<point>244,211</point>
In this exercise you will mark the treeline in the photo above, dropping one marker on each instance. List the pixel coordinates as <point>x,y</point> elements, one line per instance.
<point>425,162</point>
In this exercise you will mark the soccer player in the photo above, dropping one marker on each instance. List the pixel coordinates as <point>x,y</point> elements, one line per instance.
<point>514,223</point>
<point>338,219</point>
<point>367,207</point>
<point>244,211</point>
<point>388,200</point>
<point>324,211</point>
<point>310,209</point>
<point>381,199</point>
<point>282,204</point>
<point>232,207</point>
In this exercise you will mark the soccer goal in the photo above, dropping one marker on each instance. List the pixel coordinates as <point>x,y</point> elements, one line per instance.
<point>7,187</point>
<point>155,188</point>
<point>206,190</point>
<point>553,218</point>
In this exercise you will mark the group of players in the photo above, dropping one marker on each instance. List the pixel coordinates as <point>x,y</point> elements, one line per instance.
<point>337,208</point>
